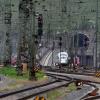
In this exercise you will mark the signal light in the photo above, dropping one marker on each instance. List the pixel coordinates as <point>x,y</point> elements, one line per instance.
<point>40,25</point>
<point>60,38</point>
<point>60,44</point>
<point>86,42</point>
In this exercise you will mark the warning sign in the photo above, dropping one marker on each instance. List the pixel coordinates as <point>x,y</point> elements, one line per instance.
<point>97,74</point>
<point>39,98</point>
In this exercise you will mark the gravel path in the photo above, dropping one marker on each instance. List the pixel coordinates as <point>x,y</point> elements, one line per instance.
<point>77,95</point>
<point>4,82</point>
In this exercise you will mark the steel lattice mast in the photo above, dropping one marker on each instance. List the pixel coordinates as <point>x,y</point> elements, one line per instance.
<point>7,22</point>
<point>27,31</point>
<point>96,39</point>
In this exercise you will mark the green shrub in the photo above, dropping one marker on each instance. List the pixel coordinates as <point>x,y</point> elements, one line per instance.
<point>11,72</point>
<point>39,74</point>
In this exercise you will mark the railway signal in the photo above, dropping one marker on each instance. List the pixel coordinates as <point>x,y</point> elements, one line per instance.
<point>7,18</point>
<point>86,42</point>
<point>79,84</point>
<point>60,41</point>
<point>36,39</point>
<point>60,45</point>
<point>40,25</point>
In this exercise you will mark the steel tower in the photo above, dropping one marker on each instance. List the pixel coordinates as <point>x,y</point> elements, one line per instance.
<point>7,22</point>
<point>26,50</point>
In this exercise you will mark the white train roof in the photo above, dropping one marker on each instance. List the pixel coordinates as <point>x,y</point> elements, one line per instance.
<point>63,53</point>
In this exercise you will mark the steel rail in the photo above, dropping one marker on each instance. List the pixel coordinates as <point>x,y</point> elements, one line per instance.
<point>60,77</point>
<point>74,78</point>
<point>93,98</point>
<point>2,95</point>
<point>77,73</point>
<point>90,84</point>
<point>30,92</point>
<point>86,97</point>
<point>45,57</point>
<point>45,89</point>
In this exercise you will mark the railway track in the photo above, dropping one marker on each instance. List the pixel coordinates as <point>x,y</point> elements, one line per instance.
<point>24,94</point>
<point>60,71</point>
<point>85,77</point>
<point>87,95</point>
<point>44,61</point>
<point>30,92</point>
<point>93,94</point>
<point>93,98</point>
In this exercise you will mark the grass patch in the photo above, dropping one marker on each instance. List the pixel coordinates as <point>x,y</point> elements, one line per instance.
<point>11,72</point>
<point>52,95</point>
<point>61,92</point>
<point>8,71</point>
<point>71,87</point>
<point>17,81</point>
<point>40,75</point>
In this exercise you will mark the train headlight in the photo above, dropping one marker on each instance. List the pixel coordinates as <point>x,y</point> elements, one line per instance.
<point>79,84</point>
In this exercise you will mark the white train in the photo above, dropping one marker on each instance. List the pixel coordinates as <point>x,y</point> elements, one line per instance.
<point>63,57</point>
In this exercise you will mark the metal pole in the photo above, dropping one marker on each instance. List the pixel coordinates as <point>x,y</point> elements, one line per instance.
<point>96,32</point>
<point>60,53</point>
<point>7,21</point>
<point>60,44</point>
<point>52,57</point>
<point>22,36</point>
<point>32,46</point>
<point>52,52</point>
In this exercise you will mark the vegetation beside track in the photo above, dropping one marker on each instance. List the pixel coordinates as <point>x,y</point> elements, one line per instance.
<point>11,73</point>
<point>19,81</point>
<point>57,94</point>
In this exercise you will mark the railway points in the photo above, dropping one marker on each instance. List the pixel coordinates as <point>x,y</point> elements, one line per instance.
<point>77,76</point>
<point>81,85</point>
